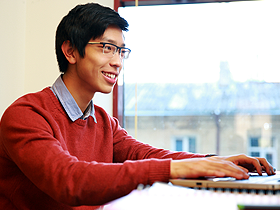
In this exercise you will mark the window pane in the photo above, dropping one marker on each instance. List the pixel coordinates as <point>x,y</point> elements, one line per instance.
<point>207,73</point>
<point>179,145</point>
<point>269,157</point>
<point>254,142</point>
<point>192,145</point>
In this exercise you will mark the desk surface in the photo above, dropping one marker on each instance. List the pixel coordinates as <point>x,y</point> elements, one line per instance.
<point>168,197</point>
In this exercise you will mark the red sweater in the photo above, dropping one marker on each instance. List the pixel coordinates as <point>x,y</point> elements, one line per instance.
<point>49,162</point>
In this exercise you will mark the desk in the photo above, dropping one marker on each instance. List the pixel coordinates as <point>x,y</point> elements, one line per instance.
<point>162,196</point>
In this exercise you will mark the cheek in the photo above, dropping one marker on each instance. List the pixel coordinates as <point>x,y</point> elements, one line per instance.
<point>93,65</point>
<point>97,61</point>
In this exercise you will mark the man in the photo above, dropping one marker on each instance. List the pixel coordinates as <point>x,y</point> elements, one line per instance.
<point>59,151</point>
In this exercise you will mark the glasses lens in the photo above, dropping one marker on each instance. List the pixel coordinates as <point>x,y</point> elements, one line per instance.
<point>109,49</point>
<point>124,53</point>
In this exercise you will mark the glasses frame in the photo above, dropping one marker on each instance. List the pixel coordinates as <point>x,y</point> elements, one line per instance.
<point>118,49</point>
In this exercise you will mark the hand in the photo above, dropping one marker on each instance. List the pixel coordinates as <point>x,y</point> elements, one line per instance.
<point>250,163</point>
<point>236,166</point>
<point>212,166</point>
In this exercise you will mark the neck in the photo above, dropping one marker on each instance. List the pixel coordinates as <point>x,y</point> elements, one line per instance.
<point>81,96</point>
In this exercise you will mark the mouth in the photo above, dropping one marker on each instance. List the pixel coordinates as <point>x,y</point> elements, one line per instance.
<point>109,75</point>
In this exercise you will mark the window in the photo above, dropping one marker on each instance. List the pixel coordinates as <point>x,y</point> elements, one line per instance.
<point>210,70</point>
<point>184,144</point>
<point>262,147</point>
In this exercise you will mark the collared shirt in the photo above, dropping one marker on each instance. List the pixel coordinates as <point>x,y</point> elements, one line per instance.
<point>69,104</point>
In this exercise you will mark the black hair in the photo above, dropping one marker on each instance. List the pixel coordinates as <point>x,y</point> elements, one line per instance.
<point>83,23</point>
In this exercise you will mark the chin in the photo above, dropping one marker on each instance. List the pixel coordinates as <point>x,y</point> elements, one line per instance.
<point>107,91</point>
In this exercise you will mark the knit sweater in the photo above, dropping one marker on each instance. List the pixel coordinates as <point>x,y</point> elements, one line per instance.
<point>49,162</point>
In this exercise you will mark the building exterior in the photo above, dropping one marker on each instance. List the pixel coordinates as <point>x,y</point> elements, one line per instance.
<point>223,118</point>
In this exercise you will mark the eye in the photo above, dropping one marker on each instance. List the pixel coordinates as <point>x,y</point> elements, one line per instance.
<point>124,53</point>
<point>108,48</point>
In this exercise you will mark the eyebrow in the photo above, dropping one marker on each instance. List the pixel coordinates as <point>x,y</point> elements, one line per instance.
<point>112,41</point>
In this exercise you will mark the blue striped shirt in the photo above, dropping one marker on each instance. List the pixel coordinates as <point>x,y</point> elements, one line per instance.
<point>69,104</point>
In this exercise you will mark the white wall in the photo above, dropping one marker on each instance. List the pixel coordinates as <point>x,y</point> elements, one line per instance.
<point>27,55</point>
<point>12,53</point>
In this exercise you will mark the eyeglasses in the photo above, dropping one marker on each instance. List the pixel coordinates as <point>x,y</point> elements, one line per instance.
<point>111,49</point>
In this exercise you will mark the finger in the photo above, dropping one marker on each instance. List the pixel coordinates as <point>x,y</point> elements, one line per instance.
<point>256,163</point>
<point>243,168</point>
<point>251,163</point>
<point>241,173</point>
<point>232,170</point>
<point>266,166</point>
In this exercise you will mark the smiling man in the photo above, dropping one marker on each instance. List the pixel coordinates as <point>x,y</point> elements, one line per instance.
<point>60,151</point>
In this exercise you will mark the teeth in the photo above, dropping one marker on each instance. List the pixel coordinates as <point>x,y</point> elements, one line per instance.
<point>112,76</point>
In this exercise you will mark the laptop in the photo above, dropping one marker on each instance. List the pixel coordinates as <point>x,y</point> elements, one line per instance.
<point>255,182</point>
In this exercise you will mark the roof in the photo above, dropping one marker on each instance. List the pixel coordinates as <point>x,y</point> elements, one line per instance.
<point>170,99</point>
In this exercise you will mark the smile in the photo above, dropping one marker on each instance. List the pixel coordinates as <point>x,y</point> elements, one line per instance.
<point>112,76</point>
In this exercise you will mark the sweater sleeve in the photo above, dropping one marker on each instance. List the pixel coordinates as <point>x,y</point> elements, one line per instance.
<point>126,147</point>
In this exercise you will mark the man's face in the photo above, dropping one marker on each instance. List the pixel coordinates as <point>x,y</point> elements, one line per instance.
<point>97,72</point>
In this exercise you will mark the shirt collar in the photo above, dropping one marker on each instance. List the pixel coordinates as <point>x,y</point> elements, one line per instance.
<point>69,104</point>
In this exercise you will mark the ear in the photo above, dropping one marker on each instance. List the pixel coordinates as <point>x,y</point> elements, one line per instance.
<point>69,52</point>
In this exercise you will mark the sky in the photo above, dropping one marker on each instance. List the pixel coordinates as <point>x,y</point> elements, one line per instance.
<point>187,43</point>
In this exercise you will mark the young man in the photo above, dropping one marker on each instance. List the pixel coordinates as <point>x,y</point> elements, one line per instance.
<point>59,151</point>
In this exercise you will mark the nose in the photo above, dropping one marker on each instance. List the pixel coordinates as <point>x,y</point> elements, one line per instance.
<point>116,60</point>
